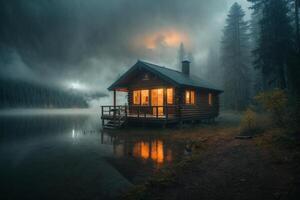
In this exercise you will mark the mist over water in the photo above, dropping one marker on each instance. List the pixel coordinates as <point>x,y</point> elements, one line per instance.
<point>52,111</point>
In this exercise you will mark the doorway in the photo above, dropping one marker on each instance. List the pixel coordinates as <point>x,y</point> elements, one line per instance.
<point>157,99</point>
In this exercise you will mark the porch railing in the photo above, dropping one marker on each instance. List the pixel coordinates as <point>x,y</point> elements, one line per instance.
<point>139,111</point>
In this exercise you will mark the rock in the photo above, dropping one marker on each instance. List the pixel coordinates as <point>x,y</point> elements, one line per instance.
<point>243,137</point>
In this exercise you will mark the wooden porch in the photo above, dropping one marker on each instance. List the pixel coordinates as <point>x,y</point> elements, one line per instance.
<point>117,116</point>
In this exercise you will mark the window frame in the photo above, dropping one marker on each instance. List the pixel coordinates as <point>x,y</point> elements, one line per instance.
<point>139,97</point>
<point>190,100</point>
<point>167,96</point>
<point>141,101</point>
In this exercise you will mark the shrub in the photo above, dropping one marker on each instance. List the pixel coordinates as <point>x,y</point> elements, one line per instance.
<point>274,102</point>
<point>249,123</point>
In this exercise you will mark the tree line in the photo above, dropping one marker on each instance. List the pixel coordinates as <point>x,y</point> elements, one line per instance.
<point>260,54</point>
<point>21,94</point>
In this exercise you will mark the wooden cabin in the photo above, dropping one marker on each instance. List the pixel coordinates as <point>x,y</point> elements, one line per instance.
<point>158,94</point>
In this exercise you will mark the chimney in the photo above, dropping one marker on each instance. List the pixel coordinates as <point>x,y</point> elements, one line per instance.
<point>186,67</point>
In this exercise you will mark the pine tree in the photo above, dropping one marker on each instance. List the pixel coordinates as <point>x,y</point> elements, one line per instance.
<point>255,33</point>
<point>274,43</point>
<point>296,14</point>
<point>235,60</point>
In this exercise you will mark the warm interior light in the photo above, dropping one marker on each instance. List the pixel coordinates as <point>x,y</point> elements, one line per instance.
<point>145,97</point>
<point>157,99</point>
<point>136,97</point>
<point>170,95</point>
<point>187,97</point>
<point>190,97</point>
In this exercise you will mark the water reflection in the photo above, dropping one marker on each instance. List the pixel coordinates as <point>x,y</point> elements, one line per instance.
<point>57,149</point>
<point>153,150</point>
<point>150,150</point>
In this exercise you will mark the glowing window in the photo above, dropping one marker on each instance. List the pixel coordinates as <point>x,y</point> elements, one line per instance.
<point>190,97</point>
<point>136,97</point>
<point>145,97</point>
<point>187,97</point>
<point>210,99</point>
<point>170,95</point>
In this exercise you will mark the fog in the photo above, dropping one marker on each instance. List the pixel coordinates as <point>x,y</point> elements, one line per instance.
<point>90,43</point>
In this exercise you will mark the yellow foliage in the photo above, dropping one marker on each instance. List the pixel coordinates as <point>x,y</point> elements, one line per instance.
<point>249,121</point>
<point>274,102</point>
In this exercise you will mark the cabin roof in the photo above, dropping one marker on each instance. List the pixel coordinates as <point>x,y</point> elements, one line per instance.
<point>173,76</point>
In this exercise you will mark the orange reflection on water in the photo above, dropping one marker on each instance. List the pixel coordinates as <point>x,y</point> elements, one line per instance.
<point>145,150</point>
<point>151,150</point>
<point>157,151</point>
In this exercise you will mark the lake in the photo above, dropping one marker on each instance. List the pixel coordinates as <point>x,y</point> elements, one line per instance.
<point>66,155</point>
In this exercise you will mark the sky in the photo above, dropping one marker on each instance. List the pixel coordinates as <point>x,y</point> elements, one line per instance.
<point>87,44</point>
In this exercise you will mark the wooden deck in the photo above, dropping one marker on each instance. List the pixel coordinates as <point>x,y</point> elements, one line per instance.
<point>120,115</point>
<point>117,116</point>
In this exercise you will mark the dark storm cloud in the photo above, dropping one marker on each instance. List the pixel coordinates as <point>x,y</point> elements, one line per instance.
<point>86,39</point>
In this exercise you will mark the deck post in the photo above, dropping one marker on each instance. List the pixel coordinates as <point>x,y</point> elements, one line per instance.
<point>167,110</point>
<point>114,100</point>
<point>102,116</point>
<point>114,104</point>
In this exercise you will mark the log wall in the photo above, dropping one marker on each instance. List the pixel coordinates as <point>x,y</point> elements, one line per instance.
<point>200,110</point>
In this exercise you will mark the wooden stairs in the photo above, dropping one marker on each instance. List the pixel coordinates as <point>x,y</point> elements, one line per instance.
<point>115,123</point>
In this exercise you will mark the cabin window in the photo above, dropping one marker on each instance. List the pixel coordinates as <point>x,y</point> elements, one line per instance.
<point>210,99</point>
<point>170,95</point>
<point>190,97</point>
<point>145,97</point>
<point>136,96</point>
